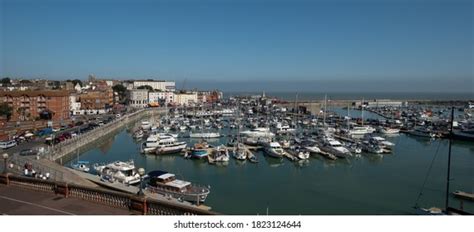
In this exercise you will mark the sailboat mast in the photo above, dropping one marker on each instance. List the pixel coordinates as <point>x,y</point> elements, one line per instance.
<point>325,105</point>
<point>362,107</point>
<point>448,176</point>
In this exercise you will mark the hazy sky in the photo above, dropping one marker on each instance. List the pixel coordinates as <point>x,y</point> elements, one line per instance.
<point>335,45</point>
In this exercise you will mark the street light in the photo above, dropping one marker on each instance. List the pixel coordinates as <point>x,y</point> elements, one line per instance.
<point>141,172</point>
<point>5,157</point>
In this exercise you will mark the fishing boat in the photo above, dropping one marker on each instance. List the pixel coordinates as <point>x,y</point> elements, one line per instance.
<point>168,185</point>
<point>274,149</point>
<point>200,150</point>
<point>118,171</point>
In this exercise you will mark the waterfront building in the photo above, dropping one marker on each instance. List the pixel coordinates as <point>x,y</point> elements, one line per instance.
<point>74,104</point>
<point>156,84</point>
<point>138,98</point>
<point>186,98</point>
<point>157,97</point>
<point>209,96</point>
<point>30,105</point>
<point>100,99</point>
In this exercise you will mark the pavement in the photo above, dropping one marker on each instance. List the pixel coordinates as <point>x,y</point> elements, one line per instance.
<point>19,201</point>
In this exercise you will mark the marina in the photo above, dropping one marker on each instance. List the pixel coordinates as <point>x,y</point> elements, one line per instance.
<point>343,173</point>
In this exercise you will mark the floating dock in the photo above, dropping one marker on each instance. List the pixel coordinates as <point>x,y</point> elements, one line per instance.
<point>464,195</point>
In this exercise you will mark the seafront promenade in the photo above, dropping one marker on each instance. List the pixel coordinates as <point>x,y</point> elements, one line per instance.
<point>25,196</point>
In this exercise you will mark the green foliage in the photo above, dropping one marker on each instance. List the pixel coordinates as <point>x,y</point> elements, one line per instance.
<point>146,87</point>
<point>6,81</point>
<point>6,110</point>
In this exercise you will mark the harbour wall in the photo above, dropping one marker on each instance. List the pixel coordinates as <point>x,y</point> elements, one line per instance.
<point>317,105</point>
<point>66,150</point>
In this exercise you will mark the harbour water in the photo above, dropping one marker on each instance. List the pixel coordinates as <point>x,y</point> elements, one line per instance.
<point>370,184</point>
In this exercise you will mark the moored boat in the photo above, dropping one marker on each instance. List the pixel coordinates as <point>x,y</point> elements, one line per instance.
<point>166,184</point>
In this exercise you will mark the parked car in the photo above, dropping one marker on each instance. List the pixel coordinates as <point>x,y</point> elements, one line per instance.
<point>7,144</point>
<point>28,152</point>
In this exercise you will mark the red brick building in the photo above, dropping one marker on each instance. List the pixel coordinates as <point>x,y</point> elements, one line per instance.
<point>30,105</point>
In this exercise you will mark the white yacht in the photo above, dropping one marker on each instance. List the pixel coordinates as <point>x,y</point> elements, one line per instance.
<point>334,147</point>
<point>389,131</point>
<point>122,172</point>
<point>150,144</point>
<point>274,149</point>
<point>205,135</point>
<point>258,132</point>
<point>360,130</point>
<point>299,152</point>
<point>146,125</point>
<point>169,145</point>
<point>381,142</point>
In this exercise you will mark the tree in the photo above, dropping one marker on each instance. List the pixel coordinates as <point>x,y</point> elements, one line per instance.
<point>6,110</point>
<point>146,87</point>
<point>121,91</point>
<point>6,81</point>
<point>75,81</point>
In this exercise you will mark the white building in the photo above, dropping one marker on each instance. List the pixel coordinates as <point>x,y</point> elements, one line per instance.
<point>156,84</point>
<point>138,98</point>
<point>185,99</point>
<point>74,104</point>
<point>78,88</point>
<point>159,96</point>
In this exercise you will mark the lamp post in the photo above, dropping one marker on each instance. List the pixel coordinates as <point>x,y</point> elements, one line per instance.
<point>5,157</point>
<point>141,172</point>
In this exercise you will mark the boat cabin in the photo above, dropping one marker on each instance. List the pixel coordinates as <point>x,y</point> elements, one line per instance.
<point>168,181</point>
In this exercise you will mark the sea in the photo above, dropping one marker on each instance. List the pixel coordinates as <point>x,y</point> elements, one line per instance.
<point>308,96</point>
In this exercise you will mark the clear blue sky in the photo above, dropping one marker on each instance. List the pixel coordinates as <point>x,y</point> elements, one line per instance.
<point>405,43</point>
